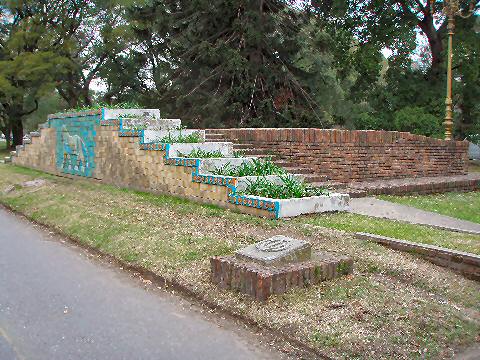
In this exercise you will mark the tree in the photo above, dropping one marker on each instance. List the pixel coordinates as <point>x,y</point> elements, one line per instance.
<point>416,74</point>
<point>30,63</point>
<point>225,63</point>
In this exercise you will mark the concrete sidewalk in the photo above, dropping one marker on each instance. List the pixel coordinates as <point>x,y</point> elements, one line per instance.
<point>384,209</point>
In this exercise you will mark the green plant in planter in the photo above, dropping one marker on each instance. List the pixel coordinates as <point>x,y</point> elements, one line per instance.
<point>198,153</point>
<point>255,167</point>
<point>194,137</point>
<point>139,127</point>
<point>239,153</point>
<point>100,105</point>
<point>289,188</point>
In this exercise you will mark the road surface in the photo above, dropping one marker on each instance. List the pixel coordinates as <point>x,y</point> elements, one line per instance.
<point>58,303</point>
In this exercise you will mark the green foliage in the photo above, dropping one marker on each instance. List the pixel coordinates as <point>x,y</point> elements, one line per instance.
<point>417,121</point>
<point>366,121</point>
<point>255,167</point>
<point>289,188</point>
<point>48,104</point>
<point>104,105</point>
<point>201,154</point>
<point>170,138</point>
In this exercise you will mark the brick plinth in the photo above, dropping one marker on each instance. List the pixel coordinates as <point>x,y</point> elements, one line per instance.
<point>261,282</point>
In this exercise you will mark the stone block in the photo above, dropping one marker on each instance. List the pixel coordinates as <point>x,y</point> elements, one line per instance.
<point>276,250</point>
<point>275,266</point>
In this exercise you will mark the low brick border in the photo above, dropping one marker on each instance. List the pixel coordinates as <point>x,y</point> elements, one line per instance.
<point>422,185</point>
<point>466,263</point>
<point>229,272</point>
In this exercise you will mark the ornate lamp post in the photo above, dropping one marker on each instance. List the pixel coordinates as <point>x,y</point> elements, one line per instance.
<point>451,8</point>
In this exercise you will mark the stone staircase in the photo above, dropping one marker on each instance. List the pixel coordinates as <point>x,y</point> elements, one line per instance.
<point>396,186</point>
<point>248,149</point>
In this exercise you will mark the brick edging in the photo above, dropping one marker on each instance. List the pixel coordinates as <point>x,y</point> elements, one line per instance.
<point>466,263</point>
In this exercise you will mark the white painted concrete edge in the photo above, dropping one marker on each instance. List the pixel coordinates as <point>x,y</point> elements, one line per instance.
<point>314,204</point>
<point>152,136</point>
<point>110,114</point>
<point>225,148</point>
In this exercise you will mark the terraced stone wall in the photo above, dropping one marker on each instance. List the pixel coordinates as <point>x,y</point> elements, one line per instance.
<point>347,156</point>
<point>87,145</point>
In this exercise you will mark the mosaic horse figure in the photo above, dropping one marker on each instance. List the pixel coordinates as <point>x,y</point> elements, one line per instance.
<point>74,149</point>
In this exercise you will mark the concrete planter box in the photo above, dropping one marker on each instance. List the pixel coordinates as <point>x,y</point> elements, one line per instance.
<point>244,181</point>
<point>131,123</point>
<point>283,208</point>
<point>209,165</point>
<point>225,148</point>
<point>110,114</point>
<point>152,136</point>
<point>314,204</point>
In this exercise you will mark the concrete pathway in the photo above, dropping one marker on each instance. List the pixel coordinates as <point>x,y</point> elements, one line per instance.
<point>58,303</point>
<point>384,209</point>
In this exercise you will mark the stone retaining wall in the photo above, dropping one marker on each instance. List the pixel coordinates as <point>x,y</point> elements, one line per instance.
<point>465,263</point>
<point>347,156</point>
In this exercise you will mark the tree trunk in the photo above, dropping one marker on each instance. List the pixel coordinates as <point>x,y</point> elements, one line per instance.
<point>17,131</point>
<point>6,131</point>
<point>435,42</point>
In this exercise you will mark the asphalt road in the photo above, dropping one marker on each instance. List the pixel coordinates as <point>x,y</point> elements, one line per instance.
<point>56,302</point>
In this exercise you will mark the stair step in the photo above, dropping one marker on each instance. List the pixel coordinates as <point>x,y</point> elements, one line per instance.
<point>329,184</point>
<point>27,141</point>
<point>313,178</point>
<point>285,163</point>
<point>13,153</point>
<point>255,152</point>
<point>262,156</point>
<point>243,146</point>
<point>7,159</point>
<point>34,134</point>
<point>298,170</point>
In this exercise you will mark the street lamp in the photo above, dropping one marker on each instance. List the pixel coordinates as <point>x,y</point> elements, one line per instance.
<point>451,8</point>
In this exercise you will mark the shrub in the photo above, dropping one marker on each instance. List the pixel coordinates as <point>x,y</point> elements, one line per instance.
<point>416,121</point>
<point>289,188</point>
<point>199,153</point>
<point>180,138</point>
<point>252,168</point>
<point>366,121</point>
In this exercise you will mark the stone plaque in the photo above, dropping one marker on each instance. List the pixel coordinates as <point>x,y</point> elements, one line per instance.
<point>277,250</point>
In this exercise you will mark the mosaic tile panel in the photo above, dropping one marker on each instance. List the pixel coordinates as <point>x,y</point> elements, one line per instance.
<point>75,143</point>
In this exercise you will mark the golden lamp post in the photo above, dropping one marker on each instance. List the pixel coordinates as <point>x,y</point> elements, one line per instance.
<point>451,8</point>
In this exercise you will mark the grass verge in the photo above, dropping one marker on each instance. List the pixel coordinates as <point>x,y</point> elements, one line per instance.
<point>3,149</point>
<point>393,306</point>
<point>465,206</point>
<point>394,229</point>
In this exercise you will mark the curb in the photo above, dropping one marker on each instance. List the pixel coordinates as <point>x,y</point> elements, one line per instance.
<point>465,263</point>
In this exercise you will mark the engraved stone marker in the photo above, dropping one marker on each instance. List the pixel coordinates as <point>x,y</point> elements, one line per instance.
<point>277,250</point>
<point>276,265</point>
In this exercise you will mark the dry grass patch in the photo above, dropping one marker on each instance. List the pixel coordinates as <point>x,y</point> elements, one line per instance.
<point>394,305</point>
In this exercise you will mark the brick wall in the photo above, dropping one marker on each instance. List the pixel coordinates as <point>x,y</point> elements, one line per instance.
<point>346,156</point>
<point>121,161</point>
